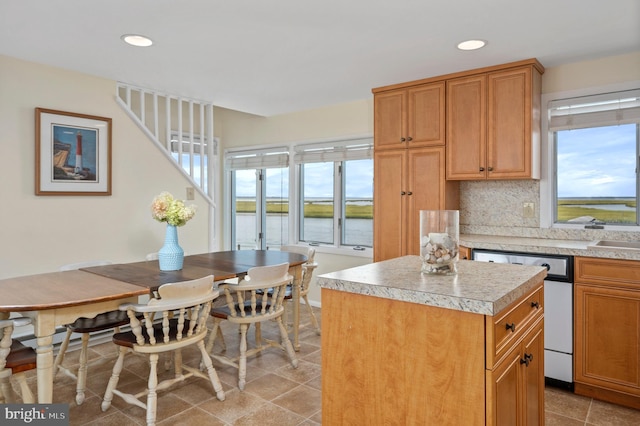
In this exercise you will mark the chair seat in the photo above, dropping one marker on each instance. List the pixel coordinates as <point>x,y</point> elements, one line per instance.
<point>21,358</point>
<point>128,338</point>
<point>104,321</point>
<point>224,312</point>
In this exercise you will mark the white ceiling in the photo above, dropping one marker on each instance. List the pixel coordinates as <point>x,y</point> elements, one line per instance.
<point>272,57</point>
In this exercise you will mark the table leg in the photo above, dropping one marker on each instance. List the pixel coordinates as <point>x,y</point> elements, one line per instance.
<point>297,280</point>
<point>44,330</point>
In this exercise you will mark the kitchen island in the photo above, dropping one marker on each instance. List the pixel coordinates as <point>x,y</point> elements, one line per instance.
<point>401,347</point>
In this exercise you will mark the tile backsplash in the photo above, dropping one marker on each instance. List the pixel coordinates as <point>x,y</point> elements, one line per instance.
<point>496,208</point>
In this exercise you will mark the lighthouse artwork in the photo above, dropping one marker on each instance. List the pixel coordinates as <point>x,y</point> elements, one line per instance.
<point>74,153</point>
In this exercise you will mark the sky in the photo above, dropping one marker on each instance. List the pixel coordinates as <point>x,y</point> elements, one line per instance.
<point>597,162</point>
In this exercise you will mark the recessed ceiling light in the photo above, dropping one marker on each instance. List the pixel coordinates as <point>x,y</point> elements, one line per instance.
<point>137,40</point>
<point>471,44</point>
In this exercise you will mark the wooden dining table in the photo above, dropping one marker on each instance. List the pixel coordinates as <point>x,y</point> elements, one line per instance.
<point>58,298</point>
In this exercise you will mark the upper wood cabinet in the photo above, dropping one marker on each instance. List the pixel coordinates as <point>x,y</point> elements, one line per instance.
<point>412,117</point>
<point>493,124</point>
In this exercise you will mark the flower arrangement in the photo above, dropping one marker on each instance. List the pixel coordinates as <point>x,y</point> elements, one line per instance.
<point>165,208</point>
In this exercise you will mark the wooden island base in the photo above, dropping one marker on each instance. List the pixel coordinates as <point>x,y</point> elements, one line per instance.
<point>389,362</point>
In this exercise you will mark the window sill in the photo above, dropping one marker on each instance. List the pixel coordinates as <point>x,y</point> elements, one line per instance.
<point>343,251</point>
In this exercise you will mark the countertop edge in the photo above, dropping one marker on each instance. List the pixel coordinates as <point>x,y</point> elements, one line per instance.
<point>367,280</point>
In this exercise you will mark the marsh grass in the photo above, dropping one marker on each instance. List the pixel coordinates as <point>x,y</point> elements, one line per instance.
<point>567,212</point>
<point>315,210</point>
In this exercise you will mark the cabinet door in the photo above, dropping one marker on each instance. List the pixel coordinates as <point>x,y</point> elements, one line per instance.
<point>388,213</point>
<point>509,124</point>
<point>505,391</point>
<point>607,349</point>
<point>533,375</point>
<point>466,128</point>
<point>425,190</point>
<point>389,124</point>
<point>426,125</point>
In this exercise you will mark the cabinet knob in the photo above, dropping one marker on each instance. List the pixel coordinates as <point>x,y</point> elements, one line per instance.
<point>511,327</point>
<point>409,193</point>
<point>527,359</point>
<point>535,305</point>
<point>409,139</point>
<point>482,169</point>
<point>402,193</point>
<point>490,169</point>
<point>402,139</point>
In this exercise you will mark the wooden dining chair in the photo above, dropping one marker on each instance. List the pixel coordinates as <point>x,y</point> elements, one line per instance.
<point>248,303</point>
<point>112,320</point>
<point>307,272</point>
<point>15,360</point>
<point>169,323</point>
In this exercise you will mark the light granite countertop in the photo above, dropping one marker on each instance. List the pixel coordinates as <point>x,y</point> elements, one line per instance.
<point>545,245</point>
<point>479,287</point>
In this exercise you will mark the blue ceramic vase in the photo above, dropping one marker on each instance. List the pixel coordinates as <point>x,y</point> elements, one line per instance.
<point>171,255</point>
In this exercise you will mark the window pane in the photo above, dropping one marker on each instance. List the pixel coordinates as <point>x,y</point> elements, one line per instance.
<point>277,223</point>
<point>317,196</point>
<point>245,205</point>
<point>196,168</point>
<point>358,200</point>
<point>596,174</point>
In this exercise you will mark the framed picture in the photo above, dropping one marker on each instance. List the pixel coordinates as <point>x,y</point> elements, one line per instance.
<point>73,153</point>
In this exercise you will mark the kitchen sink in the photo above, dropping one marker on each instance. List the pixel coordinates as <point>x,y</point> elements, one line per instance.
<point>614,245</point>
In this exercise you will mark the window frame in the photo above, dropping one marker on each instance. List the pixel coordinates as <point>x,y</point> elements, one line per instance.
<point>295,196</point>
<point>548,194</point>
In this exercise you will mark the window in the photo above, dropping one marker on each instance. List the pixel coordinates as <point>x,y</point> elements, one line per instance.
<point>193,157</point>
<point>259,198</point>
<point>326,199</point>
<point>596,143</point>
<point>336,193</point>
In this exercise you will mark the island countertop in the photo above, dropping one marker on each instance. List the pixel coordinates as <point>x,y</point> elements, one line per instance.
<point>478,287</point>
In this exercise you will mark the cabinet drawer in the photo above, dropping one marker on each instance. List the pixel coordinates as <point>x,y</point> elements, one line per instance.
<point>507,327</point>
<point>620,273</point>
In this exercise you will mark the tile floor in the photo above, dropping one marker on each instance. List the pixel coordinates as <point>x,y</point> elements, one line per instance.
<point>275,394</point>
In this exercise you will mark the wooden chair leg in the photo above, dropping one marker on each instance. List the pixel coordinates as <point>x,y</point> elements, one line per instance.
<point>242,362</point>
<point>6,392</point>
<point>113,381</point>
<point>27,396</point>
<point>82,369</point>
<point>57,364</point>
<point>177,363</point>
<point>284,337</point>
<point>314,320</point>
<point>215,331</point>
<point>221,339</point>
<point>152,396</point>
<point>213,376</point>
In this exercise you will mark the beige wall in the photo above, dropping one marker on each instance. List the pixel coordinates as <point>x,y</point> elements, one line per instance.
<point>40,233</point>
<point>597,73</point>
<point>344,120</point>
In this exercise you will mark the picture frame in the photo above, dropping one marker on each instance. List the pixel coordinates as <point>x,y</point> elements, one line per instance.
<point>73,153</point>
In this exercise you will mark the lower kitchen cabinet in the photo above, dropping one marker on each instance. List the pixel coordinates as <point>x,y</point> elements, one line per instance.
<point>516,385</point>
<point>607,330</point>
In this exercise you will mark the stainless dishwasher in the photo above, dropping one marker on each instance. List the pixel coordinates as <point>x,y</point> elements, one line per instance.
<point>558,308</point>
